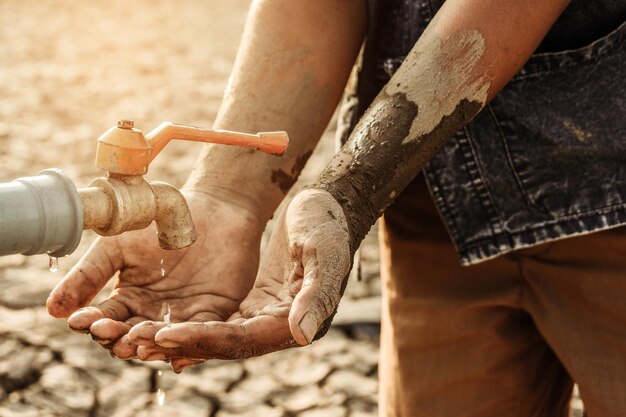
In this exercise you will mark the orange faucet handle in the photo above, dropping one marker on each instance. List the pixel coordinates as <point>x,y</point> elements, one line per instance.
<point>269,142</point>
<point>274,143</point>
<point>125,150</point>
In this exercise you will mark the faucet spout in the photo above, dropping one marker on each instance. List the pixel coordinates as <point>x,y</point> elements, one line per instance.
<point>117,204</point>
<point>175,226</point>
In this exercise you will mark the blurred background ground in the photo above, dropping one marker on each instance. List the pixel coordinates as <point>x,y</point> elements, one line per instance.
<point>68,71</point>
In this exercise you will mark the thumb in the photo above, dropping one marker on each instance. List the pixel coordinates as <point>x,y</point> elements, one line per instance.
<point>326,266</point>
<point>85,280</point>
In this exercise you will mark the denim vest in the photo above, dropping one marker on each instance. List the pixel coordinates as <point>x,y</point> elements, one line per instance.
<point>546,159</point>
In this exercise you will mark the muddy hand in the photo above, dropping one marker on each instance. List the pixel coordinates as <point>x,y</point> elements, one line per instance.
<point>191,280</point>
<point>297,289</point>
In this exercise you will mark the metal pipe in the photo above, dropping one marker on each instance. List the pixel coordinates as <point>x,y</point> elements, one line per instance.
<point>97,208</point>
<point>40,214</point>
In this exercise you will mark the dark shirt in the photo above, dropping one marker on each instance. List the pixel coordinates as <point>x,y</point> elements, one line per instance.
<point>546,158</point>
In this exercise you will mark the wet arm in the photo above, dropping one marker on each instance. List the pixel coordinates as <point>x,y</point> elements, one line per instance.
<point>291,68</point>
<point>470,50</point>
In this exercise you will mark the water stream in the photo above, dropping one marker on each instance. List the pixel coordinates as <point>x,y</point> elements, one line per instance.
<point>166,313</point>
<point>160,394</point>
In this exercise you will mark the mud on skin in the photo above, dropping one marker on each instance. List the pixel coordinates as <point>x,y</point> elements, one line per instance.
<point>285,180</point>
<point>438,88</point>
<point>436,91</point>
<point>379,162</point>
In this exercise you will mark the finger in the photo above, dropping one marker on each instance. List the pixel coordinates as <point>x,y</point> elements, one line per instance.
<point>225,340</point>
<point>326,265</point>
<point>124,349</point>
<point>149,353</point>
<point>180,364</point>
<point>143,333</point>
<point>107,331</point>
<point>112,308</point>
<point>305,317</point>
<point>86,278</point>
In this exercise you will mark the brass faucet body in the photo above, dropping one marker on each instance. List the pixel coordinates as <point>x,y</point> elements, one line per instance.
<point>125,201</point>
<point>118,204</point>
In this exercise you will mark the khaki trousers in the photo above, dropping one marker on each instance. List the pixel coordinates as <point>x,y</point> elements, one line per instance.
<point>504,338</point>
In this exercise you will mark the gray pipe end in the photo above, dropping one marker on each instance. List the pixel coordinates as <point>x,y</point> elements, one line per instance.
<point>75,223</point>
<point>40,214</point>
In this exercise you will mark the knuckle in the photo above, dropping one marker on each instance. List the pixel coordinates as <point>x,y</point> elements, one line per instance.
<point>295,250</point>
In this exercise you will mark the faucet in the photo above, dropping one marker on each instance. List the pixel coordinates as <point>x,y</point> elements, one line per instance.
<point>46,213</point>
<point>124,200</point>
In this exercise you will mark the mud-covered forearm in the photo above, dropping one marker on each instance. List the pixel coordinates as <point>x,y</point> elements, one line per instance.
<point>375,166</point>
<point>468,53</point>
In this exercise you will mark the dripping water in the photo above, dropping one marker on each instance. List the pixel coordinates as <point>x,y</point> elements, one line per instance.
<point>53,263</point>
<point>165,315</point>
<point>160,394</point>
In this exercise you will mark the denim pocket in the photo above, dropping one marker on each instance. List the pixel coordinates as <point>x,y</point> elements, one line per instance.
<point>562,125</point>
<point>541,63</point>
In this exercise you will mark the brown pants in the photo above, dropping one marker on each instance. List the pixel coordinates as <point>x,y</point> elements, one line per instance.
<point>504,338</point>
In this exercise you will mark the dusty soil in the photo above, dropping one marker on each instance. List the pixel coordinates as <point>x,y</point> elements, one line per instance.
<point>68,71</point>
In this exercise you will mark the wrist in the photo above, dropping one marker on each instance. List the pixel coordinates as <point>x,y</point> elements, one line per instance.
<point>206,201</point>
<point>238,177</point>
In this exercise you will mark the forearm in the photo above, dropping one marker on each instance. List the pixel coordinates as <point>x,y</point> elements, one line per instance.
<point>293,63</point>
<point>468,53</point>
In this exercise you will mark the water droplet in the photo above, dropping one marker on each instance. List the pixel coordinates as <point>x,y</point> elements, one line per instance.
<point>160,394</point>
<point>160,397</point>
<point>162,267</point>
<point>166,312</point>
<point>53,263</point>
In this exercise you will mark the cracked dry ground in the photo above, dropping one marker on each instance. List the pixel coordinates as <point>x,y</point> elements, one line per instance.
<point>68,71</point>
